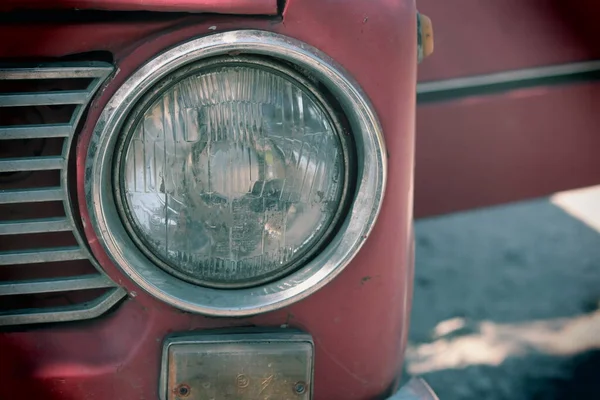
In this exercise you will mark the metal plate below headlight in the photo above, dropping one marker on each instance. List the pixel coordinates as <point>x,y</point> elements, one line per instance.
<point>238,366</point>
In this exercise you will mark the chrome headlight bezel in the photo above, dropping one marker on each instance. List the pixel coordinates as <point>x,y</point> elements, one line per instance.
<point>323,267</point>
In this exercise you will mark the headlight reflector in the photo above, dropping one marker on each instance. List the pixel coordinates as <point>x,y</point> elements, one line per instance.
<point>231,173</point>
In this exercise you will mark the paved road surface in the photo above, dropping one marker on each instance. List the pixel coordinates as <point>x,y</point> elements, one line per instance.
<point>506,301</point>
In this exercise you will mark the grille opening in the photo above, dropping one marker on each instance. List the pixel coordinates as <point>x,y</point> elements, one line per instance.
<point>31,147</point>
<point>46,270</point>
<point>25,115</point>
<point>36,115</point>
<point>37,241</point>
<point>29,180</point>
<point>25,148</point>
<point>49,300</point>
<point>30,211</point>
<point>44,85</point>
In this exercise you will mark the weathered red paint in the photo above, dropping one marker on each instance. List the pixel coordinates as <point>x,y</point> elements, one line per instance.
<point>359,321</point>
<point>482,151</point>
<point>496,149</point>
<point>251,7</point>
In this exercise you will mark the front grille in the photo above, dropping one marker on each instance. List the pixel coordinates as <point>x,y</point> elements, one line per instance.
<point>47,273</point>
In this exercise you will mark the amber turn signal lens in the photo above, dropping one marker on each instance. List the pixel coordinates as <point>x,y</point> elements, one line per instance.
<point>425,39</point>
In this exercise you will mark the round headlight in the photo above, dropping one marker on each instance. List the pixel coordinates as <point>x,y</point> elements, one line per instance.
<point>235,173</point>
<point>231,172</point>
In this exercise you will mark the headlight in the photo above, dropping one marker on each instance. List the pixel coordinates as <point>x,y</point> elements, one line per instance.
<point>235,184</point>
<point>231,172</point>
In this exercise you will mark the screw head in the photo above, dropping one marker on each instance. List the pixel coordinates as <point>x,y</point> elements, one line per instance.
<point>182,390</point>
<point>300,387</point>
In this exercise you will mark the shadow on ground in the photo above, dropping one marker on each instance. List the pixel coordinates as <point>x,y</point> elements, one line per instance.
<point>580,380</point>
<point>506,305</point>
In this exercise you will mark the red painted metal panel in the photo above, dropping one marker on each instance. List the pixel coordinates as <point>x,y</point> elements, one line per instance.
<point>359,321</point>
<point>478,37</point>
<point>482,151</point>
<point>252,7</point>
<point>487,150</point>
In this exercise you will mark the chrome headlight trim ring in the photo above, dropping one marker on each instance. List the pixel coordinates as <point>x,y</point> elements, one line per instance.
<point>361,216</point>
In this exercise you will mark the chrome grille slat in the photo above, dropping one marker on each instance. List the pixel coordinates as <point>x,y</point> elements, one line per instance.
<point>59,79</point>
<point>42,255</point>
<point>43,98</point>
<point>31,195</point>
<point>57,71</point>
<point>55,285</point>
<point>89,310</point>
<point>31,163</point>
<point>58,224</point>
<point>35,131</point>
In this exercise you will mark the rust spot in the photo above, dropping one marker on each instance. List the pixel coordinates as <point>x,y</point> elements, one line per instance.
<point>288,317</point>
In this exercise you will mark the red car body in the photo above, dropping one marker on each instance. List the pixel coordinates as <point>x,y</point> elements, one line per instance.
<point>524,140</point>
<point>358,322</point>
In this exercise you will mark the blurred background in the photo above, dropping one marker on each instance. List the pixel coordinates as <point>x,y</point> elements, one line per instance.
<point>507,290</point>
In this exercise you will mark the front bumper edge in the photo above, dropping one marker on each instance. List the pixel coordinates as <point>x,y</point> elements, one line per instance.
<point>415,389</point>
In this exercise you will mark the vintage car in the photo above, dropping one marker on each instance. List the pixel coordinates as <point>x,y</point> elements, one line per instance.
<point>207,199</point>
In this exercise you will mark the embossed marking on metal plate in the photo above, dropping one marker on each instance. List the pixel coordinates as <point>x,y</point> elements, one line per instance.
<point>238,366</point>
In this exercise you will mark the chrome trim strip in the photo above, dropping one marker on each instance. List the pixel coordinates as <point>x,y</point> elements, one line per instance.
<point>31,163</point>
<point>64,180</point>
<point>72,70</point>
<point>35,131</point>
<point>88,310</point>
<point>42,255</point>
<point>30,195</point>
<point>472,85</point>
<point>325,266</point>
<point>55,285</point>
<point>509,76</point>
<point>43,98</point>
<point>58,224</point>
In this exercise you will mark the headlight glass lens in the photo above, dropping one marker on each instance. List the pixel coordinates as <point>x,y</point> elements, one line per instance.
<point>232,174</point>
